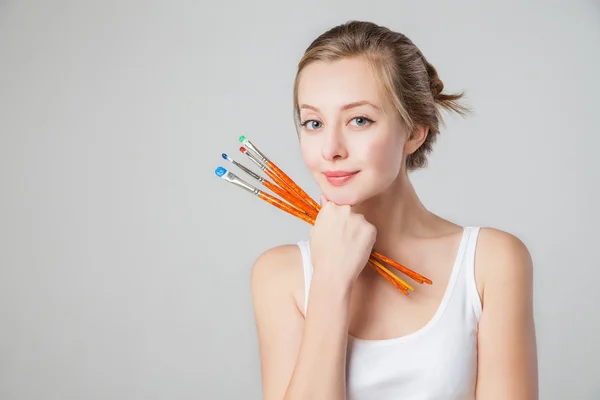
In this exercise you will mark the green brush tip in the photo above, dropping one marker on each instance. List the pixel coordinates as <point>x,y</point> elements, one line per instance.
<point>242,139</point>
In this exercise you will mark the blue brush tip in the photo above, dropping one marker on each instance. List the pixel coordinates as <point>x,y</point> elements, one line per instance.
<point>225,156</point>
<point>220,171</point>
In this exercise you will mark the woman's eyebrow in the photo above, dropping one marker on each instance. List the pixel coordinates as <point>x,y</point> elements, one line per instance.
<point>346,106</point>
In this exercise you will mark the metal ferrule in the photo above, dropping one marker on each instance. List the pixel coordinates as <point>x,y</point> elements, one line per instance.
<point>254,149</point>
<point>231,177</point>
<point>249,172</point>
<point>255,161</point>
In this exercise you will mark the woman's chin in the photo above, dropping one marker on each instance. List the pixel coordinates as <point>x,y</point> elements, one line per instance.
<point>344,199</point>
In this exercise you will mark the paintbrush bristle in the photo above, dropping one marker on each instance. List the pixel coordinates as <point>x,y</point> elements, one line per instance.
<point>220,171</point>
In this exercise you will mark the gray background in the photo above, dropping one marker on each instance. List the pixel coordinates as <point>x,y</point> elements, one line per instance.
<point>124,261</point>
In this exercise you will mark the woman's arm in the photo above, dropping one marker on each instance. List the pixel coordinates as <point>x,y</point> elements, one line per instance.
<point>507,361</point>
<point>300,358</point>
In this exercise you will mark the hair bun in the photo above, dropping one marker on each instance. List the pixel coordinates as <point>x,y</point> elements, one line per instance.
<point>436,85</point>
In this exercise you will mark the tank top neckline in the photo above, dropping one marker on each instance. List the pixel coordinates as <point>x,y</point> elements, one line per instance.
<point>458,261</point>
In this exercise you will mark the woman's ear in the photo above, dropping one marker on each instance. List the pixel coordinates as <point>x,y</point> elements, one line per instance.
<point>416,139</point>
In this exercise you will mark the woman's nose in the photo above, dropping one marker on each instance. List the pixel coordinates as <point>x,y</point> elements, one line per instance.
<point>334,146</point>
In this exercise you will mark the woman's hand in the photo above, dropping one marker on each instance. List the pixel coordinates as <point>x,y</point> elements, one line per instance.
<point>340,242</point>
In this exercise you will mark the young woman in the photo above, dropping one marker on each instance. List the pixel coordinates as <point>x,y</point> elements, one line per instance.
<point>367,103</point>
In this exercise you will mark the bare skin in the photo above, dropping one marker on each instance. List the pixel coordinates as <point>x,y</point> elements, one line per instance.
<point>305,356</point>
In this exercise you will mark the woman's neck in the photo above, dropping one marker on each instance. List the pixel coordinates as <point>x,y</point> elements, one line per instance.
<point>398,214</point>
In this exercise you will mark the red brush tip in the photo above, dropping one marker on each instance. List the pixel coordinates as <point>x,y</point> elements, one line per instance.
<point>243,149</point>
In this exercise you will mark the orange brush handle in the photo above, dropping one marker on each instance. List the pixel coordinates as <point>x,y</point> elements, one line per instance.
<point>295,188</point>
<point>284,195</point>
<point>298,199</point>
<point>392,275</point>
<point>417,277</point>
<point>389,278</point>
<point>291,196</point>
<point>287,208</point>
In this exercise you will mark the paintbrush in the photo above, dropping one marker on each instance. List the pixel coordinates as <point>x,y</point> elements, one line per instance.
<point>279,173</point>
<point>275,189</point>
<point>231,177</point>
<point>297,199</point>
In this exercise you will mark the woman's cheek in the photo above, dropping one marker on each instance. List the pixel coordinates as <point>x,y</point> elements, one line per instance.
<point>385,157</point>
<point>308,155</point>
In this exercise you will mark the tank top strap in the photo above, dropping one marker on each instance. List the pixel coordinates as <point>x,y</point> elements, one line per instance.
<point>470,284</point>
<point>308,270</point>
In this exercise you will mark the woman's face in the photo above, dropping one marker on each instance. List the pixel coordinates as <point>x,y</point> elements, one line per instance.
<point>351,137</point>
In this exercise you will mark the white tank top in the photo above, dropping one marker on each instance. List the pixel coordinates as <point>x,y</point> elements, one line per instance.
<point>438,361</point>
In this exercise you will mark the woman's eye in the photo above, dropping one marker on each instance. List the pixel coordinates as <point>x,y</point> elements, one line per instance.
<point>362,121</point>
<point>311,124</point>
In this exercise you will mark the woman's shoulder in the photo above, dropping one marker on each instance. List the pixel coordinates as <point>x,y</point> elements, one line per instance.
<point>501,258</point>
<point>279,271</point>
<point>278,260</point>
<point>501,245</point>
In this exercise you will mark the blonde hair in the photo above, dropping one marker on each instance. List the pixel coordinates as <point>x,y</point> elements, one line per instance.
<point>406,77</point>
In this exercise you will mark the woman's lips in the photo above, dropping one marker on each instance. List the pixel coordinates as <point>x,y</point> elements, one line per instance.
<point>339,178</point>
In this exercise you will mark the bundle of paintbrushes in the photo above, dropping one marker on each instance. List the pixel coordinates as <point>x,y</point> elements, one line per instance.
<point>293,200</point>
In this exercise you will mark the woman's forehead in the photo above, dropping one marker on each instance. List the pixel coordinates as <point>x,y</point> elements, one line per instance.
<point>336,83</point>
